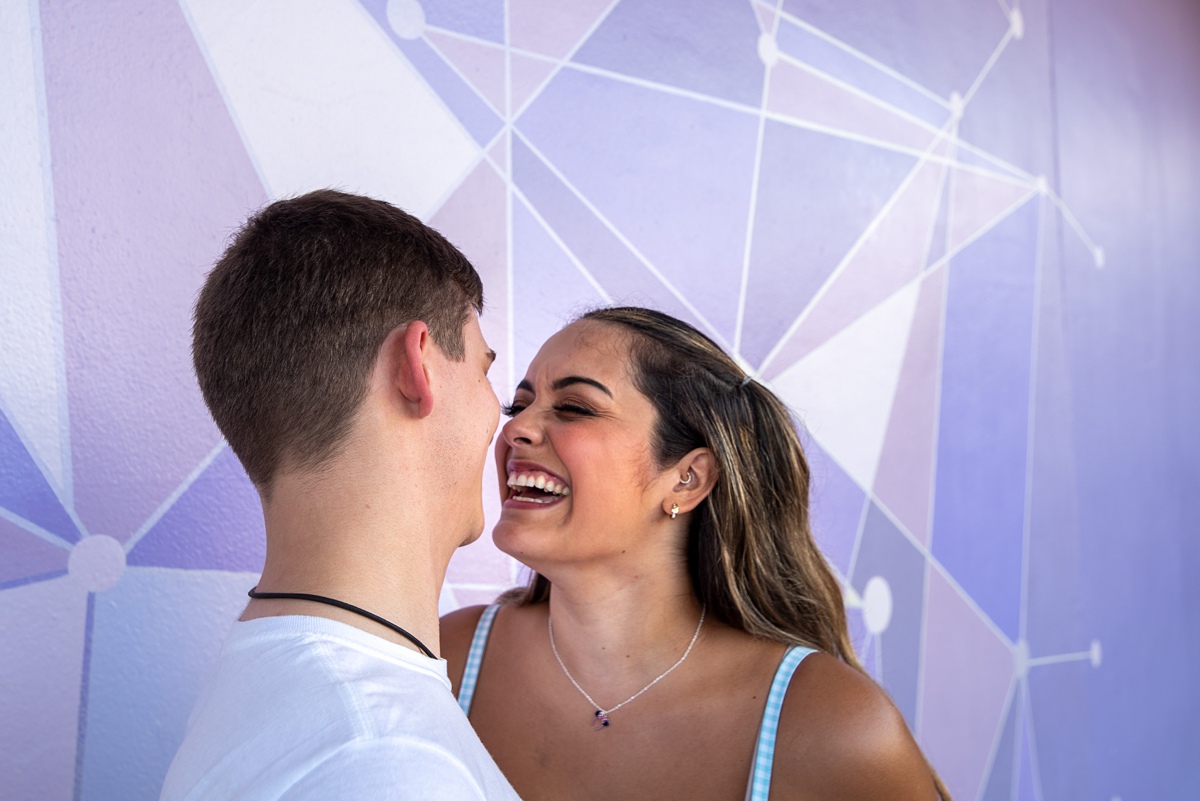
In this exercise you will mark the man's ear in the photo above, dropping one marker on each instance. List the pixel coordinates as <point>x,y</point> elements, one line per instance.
<point>404,358</point>
<point>695,476</point>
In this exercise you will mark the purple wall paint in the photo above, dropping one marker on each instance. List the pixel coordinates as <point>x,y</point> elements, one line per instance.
<point>150,176</point>
<point>604,136</point>
<point>1034,512</point>
<point>798,251</point>
<point>979,506</point>
<point>1131,117</point>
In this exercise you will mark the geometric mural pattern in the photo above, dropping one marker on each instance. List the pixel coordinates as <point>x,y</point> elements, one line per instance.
<point>870,223</point>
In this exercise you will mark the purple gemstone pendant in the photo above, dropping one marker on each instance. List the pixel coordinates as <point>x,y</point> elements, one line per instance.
<point>601,721</point>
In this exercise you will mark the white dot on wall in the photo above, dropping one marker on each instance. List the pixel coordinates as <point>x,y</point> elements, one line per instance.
<point>1095,654</point>
<point>407,18</point>
<point>1016,22</point>
<point>1098,256</point>
<point>768,49</point>
<point>956,105</point>
<point>877,605</point>
<point>1043,186</point>
<point>97,562</point>
<point>1021,659</point>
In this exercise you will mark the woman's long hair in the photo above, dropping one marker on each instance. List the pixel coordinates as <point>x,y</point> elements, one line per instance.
<point>751,554</point>
<point>750,550</point>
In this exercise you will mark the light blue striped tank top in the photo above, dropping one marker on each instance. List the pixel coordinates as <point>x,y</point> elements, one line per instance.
<point>759,788</point>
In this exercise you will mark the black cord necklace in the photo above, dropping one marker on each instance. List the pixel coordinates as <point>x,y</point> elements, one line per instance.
<point>321,599</point>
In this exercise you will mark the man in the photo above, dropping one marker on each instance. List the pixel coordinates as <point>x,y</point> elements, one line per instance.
<point>338,347</point>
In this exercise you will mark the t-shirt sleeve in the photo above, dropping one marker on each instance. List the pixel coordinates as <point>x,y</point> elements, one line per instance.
<point>388,768</point>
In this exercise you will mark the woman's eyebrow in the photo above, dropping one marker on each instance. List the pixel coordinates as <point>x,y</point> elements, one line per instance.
<point>566,382</point>
<point>578,379</point>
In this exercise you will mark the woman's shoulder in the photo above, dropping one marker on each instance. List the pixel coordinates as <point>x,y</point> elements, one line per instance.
<point>840,734</point>
<point>457,631</point>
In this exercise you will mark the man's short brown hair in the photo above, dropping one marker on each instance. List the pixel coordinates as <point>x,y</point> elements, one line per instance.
<point>291,319</point>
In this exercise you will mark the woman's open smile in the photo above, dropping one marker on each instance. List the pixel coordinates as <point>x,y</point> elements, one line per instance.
<point>531,485</point>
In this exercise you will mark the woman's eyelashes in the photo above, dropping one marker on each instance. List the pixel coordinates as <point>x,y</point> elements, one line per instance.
<point>564,409</point>
<point>573,409</point>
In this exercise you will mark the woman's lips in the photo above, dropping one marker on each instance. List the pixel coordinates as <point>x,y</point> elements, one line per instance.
<point>532,486</point>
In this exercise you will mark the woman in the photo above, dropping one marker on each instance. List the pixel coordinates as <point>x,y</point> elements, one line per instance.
<point>682,636</point>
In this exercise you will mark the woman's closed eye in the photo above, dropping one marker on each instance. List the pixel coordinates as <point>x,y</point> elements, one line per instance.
<point>574,409</point>
<point>568,409</point>
<point>512,409</point>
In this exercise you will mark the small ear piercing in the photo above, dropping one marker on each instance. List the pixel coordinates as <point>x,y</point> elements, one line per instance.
<point>687,480</point>
<point>674,511</point>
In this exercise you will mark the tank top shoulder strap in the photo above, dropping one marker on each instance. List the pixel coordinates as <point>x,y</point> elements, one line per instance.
<point>759,788</point>
<point>466,690</point>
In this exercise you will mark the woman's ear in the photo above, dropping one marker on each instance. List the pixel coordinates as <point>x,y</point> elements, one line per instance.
<point>403,359</point>
<point>695,476</point>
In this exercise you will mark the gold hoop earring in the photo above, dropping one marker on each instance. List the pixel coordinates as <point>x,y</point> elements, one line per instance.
<point>674,511</point>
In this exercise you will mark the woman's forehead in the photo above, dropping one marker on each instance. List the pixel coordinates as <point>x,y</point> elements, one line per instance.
<point>584,345</point>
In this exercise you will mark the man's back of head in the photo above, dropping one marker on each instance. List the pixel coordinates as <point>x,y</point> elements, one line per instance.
<point>291,320</point>
<point>337,345</point>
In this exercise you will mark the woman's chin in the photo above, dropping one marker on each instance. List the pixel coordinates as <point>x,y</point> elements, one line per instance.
<point>520,541</point>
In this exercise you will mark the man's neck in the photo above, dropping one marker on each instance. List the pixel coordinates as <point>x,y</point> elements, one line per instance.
<point>412,607</point>
<point>350,544</point>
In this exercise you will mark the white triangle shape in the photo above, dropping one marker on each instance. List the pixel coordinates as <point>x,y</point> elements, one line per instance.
<point>32,375</point>
<point>323,99</point>
<point>842,392</point>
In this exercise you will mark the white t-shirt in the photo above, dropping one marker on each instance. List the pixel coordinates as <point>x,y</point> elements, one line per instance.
<point>309,708</point>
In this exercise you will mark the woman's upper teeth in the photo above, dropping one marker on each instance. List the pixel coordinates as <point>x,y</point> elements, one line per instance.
<point>540,481</point>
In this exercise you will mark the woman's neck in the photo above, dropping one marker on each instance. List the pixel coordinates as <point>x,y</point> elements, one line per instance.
<point>614,634</point>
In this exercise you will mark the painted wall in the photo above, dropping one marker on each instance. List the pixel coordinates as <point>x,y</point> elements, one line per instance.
<point>957,236</point>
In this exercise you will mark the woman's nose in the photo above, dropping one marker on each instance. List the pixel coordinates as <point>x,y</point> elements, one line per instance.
<point>521,430</point>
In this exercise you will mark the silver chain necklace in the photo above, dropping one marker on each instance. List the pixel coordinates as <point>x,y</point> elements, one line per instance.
<point>600,719</point>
